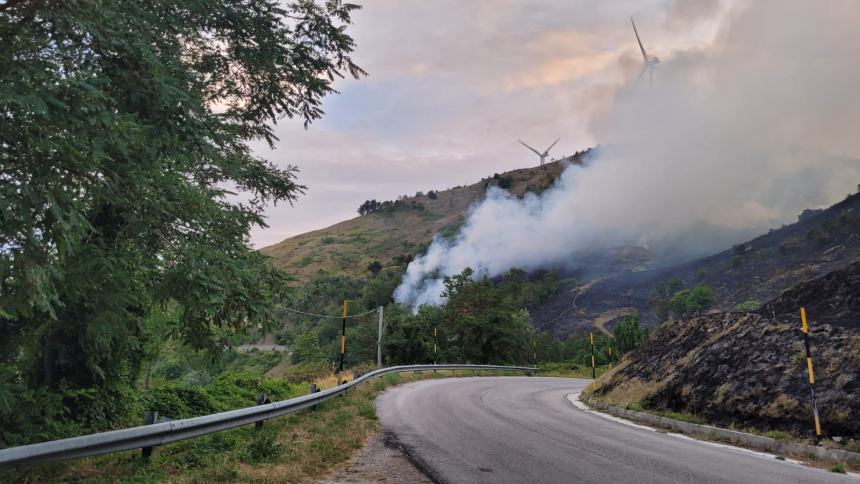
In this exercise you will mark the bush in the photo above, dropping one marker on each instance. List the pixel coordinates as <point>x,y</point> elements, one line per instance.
<point>374,267</point>
<point>817,236</point>
<point>747,306</point>
<point>737,261</point>
<point>178,402</point>
<point>505,182</point>
<point>263,446</point>
<point>788,244</point>
<point>692,301</point>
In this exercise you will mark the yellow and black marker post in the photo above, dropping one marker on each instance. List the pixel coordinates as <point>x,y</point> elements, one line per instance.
<point>610,357</point>
<point>593,365</point>
<point>805,329</point>
<point>342,337</point>
<point>434,346</point>
<point>534,351</point>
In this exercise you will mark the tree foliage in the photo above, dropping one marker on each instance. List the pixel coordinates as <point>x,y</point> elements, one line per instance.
<point>628,334</point>
<point>125,133</point>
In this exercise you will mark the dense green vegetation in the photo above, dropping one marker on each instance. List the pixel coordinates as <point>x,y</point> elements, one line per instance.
<point>125,125</point>
<point>484,321</point>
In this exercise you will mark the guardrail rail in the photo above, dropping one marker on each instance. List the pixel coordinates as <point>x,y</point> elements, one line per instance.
<point>175,430</point>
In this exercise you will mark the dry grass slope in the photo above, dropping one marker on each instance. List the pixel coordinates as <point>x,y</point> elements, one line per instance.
<point>346,248</point>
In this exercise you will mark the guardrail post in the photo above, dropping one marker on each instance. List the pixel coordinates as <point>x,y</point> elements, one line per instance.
<point>262,399</point>
<point>314,389</point>
<point>150,417</point>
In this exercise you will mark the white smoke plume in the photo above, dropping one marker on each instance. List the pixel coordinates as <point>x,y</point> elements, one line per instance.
<point>743,134</point>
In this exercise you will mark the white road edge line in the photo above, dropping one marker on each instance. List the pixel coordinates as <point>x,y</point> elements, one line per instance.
<point>573,398</point>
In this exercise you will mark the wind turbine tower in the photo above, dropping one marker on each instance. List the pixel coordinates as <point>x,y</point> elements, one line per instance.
<point>545,153</point>
<point>650,62</point>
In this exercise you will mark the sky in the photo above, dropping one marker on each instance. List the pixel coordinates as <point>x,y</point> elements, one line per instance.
<point>453,84</point>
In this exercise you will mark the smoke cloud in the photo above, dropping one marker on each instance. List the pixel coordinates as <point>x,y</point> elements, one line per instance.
<point>739,136</point>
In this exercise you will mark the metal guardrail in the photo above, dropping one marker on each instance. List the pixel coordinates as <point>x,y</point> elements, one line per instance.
<point>175,430</point>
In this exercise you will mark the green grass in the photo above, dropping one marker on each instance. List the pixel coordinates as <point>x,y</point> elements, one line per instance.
<point>838,468</point>
<point>298,447</point>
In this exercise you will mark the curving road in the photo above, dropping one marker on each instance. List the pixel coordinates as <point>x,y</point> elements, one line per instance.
<point>522,430</point>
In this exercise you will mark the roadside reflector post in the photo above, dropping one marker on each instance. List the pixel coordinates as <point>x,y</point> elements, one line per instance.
<point>610,357</point>
<point>593,363</point>
<point>342,338</point>
<point>805,328</point>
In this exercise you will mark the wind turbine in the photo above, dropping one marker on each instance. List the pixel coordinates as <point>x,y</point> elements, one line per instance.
<point>650,62</point>
<point>545,152</point>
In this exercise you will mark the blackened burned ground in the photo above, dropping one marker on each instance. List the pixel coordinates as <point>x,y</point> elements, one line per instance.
<point>759,270</point>
<point>749,369</point>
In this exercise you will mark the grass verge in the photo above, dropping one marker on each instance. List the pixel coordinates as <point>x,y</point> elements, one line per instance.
<point>298,447</point>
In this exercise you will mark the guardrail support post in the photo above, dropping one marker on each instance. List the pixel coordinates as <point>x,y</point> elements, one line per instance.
<point>314,389</point>
<point>150,417</point>
<point>262,399</point>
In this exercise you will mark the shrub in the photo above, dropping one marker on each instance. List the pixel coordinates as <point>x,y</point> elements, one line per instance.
<point>788,244</point>
<point>505,182</point>
<point>178,402</point>
<point>327,240</point>
<point>374,267</point>
<point>700,299</point>
<point>817,236</point>
<point>263,446</point>
<point>747,306</point>
<point>737,260</point>
<point>692,301</point>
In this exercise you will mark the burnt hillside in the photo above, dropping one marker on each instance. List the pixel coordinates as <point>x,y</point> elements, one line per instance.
<point>759,270</point>
<point>749,369</point>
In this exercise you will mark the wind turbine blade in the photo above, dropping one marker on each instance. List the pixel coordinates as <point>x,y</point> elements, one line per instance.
<point>550,146</point>
<point>651,76</point>
<point>529,147</point>
<point>642,73</point>
<point>644,55</point>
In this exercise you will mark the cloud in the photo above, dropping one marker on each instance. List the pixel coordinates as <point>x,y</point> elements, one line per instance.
<point>452,86</point>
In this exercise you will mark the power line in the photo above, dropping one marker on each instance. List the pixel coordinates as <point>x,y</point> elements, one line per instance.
<point>325,315</point>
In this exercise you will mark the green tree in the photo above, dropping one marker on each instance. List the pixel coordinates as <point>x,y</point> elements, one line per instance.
<point>628,334</point>
<point>662,295</point>
<point>692,301</point>
<point>125,125</point>
<point>307,348</point>
<point>700,299</point>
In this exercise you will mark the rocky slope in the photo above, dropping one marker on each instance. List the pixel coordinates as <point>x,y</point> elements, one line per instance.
<point>749,369</point>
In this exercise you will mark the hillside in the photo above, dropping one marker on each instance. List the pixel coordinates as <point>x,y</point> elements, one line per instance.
<point>749,369</point>
<point>395,235</point>
<point>754,272</point>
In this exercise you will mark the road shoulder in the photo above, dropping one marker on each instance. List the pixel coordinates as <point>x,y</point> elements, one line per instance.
<point>380,460</point>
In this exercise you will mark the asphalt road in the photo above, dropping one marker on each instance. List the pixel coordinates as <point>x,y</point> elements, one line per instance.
<point>524,430</point>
